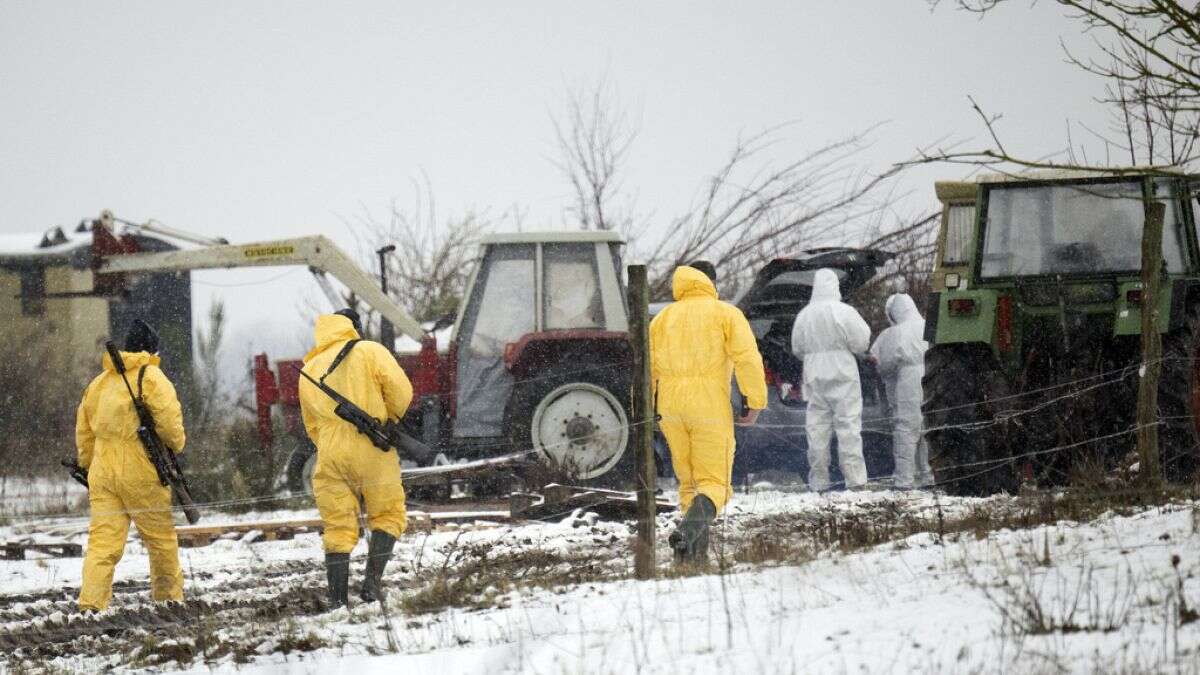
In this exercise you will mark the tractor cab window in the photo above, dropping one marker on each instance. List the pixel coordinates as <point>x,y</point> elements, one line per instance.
<point>960,220</point>
<point>1067,229</point>
<point>571,295</point>
<point>500,311</point>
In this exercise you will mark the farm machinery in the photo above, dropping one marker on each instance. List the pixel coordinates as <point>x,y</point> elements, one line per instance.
<point>1035,323</point>
<point>533,378</point>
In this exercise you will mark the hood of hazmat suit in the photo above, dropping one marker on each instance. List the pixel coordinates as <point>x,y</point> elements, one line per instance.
<point>122,483</point>
<point>900,350</point>
<point>828,333</point>
<point>349,466</point>
<point>903,343</point>
<point>697,345</point>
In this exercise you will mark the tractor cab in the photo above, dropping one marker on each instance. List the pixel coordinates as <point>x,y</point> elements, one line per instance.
<point>540,351</point>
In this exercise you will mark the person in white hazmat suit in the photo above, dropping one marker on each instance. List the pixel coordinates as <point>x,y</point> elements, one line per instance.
<point>826,335</point>
<point>899,354</point>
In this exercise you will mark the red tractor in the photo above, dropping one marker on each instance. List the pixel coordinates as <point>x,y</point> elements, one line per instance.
<point>535,370</point>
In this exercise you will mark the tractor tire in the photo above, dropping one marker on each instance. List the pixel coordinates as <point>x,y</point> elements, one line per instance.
<point>1179,401</point>
<point>300,469</point>
<point>967,448</point>
<point>576,424</point>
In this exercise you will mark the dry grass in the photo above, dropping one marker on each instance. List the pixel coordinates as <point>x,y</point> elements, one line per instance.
<point>796,537</point>
<point>477,577</point>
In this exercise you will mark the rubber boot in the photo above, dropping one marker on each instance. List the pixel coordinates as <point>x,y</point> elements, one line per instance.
<point>690,539</point>
<point>337,572</point>
<point>378,554</point>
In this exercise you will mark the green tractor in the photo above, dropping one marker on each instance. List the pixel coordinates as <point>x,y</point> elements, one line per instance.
<point>1034,327</point>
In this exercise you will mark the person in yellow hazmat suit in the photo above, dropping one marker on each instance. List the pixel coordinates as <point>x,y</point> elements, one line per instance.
<point>349,467</point>
<point>697,344</point>
<point>122,483</point>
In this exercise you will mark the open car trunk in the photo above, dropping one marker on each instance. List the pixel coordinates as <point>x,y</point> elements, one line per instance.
<point>783,287</point>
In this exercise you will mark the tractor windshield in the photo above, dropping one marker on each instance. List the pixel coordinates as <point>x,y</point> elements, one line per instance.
<point>1081,228</point>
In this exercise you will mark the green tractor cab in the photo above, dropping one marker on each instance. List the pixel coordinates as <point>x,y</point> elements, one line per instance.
<point>1034,328</point>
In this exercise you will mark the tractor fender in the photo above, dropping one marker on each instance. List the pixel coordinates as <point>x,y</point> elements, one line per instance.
<point>536,351</point>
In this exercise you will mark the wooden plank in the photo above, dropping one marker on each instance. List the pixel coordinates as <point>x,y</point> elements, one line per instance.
<point>17,550</point>
<point>418,521</point>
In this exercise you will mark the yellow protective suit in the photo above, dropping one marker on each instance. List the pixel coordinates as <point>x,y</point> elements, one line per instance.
<point>697,344</point>
<point>349,467</point>
<point>122,483</point>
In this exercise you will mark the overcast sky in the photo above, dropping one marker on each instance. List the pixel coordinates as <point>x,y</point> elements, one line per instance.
<point>256,120</point>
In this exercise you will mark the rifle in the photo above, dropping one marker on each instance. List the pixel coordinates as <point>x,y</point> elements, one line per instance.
<point>77,472</point>
<point>383,435</point>
<point>163,459</point>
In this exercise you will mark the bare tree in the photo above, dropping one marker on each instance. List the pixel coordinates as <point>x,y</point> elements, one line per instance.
<point>748,211</point>
<point>428,271</point>
<point>751,210</point>
<point>594,137</point>
<point>207,403</point>
<point>1151,60</point>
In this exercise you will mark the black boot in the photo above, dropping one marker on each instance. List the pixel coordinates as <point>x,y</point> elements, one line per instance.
<point>378,555</point>
<point>337,572</point>
<point>690,539</point>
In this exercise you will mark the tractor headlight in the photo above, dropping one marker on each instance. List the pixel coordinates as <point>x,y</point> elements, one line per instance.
<point>952,280</point>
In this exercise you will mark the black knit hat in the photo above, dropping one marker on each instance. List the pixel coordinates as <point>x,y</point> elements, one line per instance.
<point>709,269</point>
<point>353,316</point>
<point>141,338</point>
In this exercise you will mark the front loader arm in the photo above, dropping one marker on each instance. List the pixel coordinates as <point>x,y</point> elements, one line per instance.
<point>316,252</point>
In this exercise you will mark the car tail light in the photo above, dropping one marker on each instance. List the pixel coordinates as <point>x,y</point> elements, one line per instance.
<point>770,376</point>
<point>1004,323</point>
<point>961,306</point>
<point>1134,296</point>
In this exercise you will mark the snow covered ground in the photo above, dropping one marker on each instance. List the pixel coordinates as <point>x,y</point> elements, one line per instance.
<point>1112,595</point>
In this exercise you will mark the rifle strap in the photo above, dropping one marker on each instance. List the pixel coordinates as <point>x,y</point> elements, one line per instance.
<point>141,376</point>
<point>337,360</point>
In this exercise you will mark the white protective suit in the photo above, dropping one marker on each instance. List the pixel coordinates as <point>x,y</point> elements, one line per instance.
<point>827,334</point>
<point>900,352</point>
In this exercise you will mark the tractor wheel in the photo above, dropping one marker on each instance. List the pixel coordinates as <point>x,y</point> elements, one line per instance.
<point>300,468</point>
<point>968,453</point>
<point>1179,401</point>
<point>575,423</point>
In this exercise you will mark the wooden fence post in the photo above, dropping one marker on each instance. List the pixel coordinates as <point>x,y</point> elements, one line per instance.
<point>643,420</point>
<point>1150,470</point>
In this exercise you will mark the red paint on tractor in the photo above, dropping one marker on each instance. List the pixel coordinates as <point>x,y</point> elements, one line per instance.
<point>266,392</point>
<point>425,376</point>
<point>513,352</point>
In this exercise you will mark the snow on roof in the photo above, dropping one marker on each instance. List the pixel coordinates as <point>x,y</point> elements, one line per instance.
<point>534,237</point>
<point>55,242</point>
